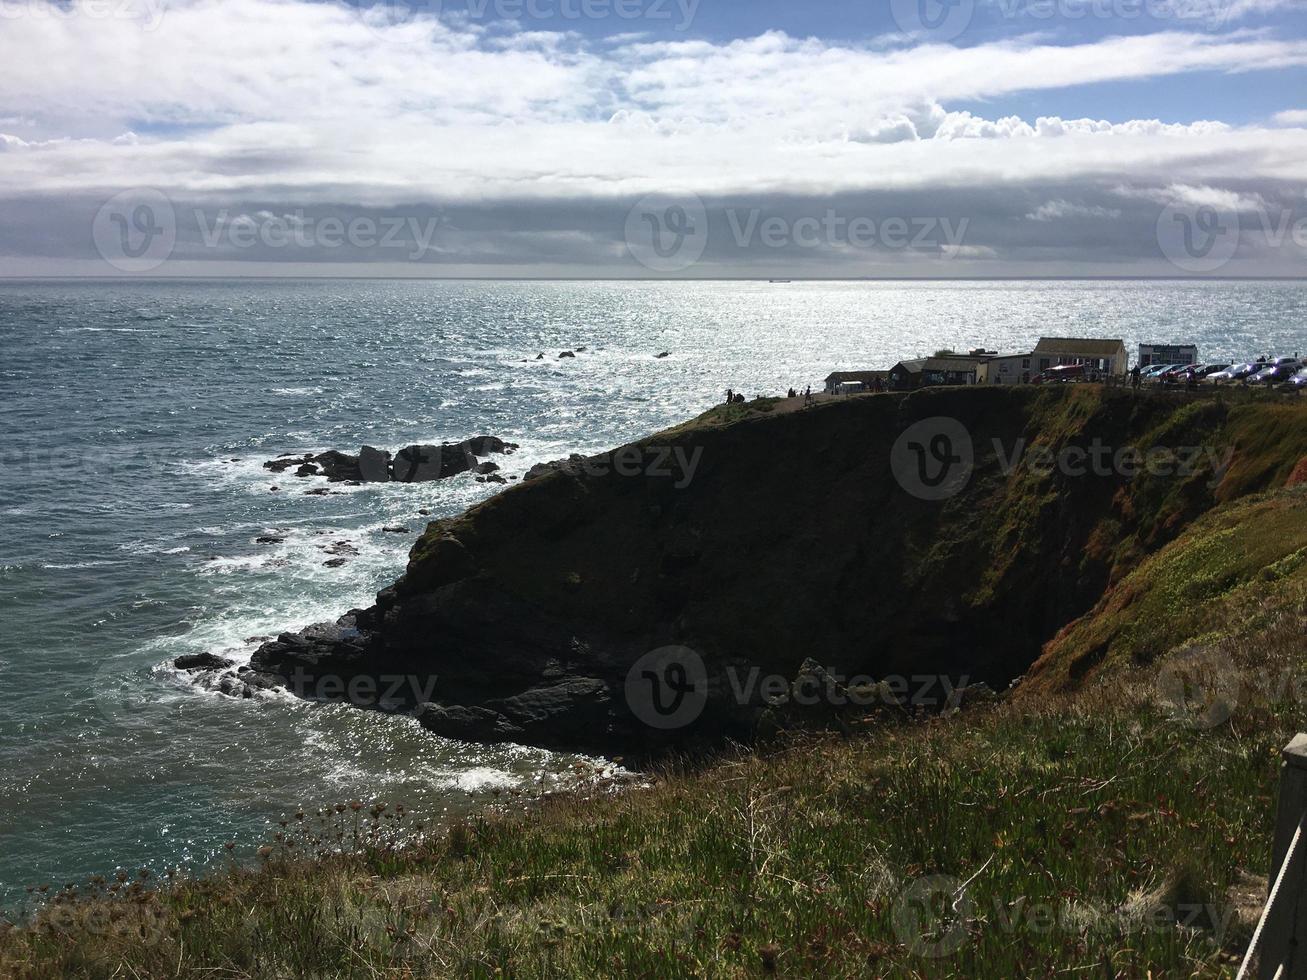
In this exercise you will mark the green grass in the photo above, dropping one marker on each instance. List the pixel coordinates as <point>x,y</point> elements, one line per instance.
<point>1242,567</point>
<point>1083,830</point>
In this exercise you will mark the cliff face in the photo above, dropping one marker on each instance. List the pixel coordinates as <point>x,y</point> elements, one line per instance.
<point>761,538</point>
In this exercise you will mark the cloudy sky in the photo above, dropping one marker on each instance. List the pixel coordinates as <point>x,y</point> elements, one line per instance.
<point>696,138</point>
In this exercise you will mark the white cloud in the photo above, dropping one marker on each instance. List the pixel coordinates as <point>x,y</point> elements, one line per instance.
<point>1291,117</point>
<point>315,103</point>
<point>1060,209</point>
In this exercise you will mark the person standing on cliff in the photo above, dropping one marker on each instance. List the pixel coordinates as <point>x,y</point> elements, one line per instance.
<point>1134,377</point>
<point>730,396</point>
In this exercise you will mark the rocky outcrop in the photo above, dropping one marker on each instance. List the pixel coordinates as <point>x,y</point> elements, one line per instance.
<point>632,603</point>
<point>412,464</point>
<point>339,467</point>
<point>374,465</point>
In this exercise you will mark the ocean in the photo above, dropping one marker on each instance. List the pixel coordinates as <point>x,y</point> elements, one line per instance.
<point>136,418</point>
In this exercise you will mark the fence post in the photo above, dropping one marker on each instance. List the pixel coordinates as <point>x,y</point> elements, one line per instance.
<point>1286,920</point>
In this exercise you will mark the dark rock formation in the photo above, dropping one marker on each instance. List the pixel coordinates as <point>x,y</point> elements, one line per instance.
<point>413,464</point>
<point>374,465</point>
<point>572,464</point>
<point>286,461</point>
<point>423,464</point>
<point>202,661</point>
<point>338,466</point>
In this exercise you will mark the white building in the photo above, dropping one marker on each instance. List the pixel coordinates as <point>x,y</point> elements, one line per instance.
<point>1005,369</point>
<point>1167,354</point>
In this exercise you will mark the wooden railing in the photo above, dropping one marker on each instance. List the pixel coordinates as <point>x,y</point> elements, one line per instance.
<point>1279,946</point>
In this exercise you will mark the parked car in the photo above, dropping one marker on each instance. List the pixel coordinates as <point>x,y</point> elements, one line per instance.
<point>1298,382</point>
<point>1236,372</point>
<point>1060,374</point>
<point>1153,373</point>
<point>1176,375</point>
<point>1207,370</point>
<point>1153,370</point>
<point>1281,369</point>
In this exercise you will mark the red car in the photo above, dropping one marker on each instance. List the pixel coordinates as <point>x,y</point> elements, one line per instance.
<point>1061,373</point>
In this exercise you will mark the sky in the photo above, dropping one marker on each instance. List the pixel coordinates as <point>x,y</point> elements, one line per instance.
<point>653,138</point>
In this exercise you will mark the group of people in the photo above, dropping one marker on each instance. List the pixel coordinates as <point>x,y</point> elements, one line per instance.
<point>734,397</point>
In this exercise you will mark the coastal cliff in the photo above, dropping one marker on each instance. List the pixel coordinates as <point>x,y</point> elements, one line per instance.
<point>766,540</point>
